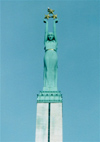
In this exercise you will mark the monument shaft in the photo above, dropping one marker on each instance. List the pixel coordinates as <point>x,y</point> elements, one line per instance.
<point>49,117</point>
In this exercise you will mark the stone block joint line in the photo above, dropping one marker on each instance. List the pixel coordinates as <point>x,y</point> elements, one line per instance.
<point>49,122</point>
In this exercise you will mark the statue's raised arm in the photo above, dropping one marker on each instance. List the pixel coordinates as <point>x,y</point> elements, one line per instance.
<point>54,28</point>
<point>46,31</point>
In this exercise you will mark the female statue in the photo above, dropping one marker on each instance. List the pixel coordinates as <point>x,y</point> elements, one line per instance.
<point>50,59</point>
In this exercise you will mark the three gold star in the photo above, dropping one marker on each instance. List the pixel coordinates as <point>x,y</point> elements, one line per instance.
<point>50,12</point>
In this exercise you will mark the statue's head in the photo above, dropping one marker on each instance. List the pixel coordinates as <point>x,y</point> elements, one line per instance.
<point>51,36</point>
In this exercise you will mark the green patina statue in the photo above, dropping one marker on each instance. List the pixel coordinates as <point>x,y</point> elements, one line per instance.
<point>50,57</point>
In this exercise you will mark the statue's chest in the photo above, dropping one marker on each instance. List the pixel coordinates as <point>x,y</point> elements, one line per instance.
<point>51,44</point>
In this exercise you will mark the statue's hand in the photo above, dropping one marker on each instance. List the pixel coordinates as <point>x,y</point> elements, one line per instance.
<point>56,20</point>
<point>45,21</point>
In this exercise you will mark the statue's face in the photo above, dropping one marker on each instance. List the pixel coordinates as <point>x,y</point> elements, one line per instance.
<point>50,36</point>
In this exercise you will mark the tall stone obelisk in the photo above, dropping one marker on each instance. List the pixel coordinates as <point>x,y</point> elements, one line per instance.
<point>49,101</point>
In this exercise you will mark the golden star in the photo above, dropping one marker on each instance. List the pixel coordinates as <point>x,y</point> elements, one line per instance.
<point>50,11</point>
<point>47,16</point>
<point>54,16</point>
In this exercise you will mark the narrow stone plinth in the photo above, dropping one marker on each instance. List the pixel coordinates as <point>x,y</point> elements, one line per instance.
<point>49,117</point>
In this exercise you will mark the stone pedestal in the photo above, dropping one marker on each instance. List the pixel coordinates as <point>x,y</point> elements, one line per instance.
<point>49,117</point>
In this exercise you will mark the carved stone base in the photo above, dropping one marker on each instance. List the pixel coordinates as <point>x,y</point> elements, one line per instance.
<point>49,97</point>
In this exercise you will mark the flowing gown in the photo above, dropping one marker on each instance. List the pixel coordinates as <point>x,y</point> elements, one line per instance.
<point>50,66</point>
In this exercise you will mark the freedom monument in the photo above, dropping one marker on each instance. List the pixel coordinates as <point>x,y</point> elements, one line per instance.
<point>49,101</point>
